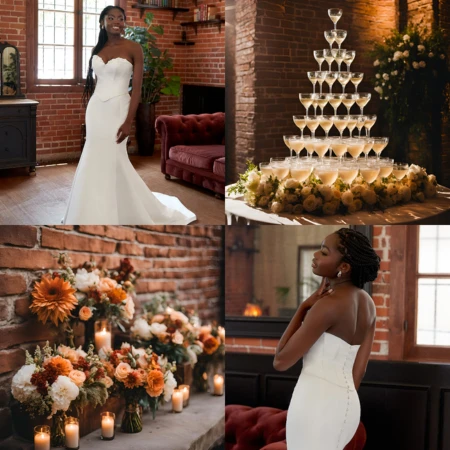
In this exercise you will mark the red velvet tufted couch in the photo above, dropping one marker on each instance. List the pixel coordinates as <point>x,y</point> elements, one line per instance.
<point>193,149</point>
<point>264,428</point>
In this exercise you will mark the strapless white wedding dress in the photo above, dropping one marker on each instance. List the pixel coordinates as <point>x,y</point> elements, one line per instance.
<point>107,190</point>
<point>324,412</point>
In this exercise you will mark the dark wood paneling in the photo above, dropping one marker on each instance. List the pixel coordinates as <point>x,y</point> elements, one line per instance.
<point>404,405</point>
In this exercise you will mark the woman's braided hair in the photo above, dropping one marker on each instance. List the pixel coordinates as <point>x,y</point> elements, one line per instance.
<point>359,253</point>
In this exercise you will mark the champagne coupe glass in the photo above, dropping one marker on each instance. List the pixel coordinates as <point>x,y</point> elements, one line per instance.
<point>309,145</point>
<point>338,55</point>
<point>306,100</point>
<point>357,77</point>
<point>379,144</point>
<point>328,56</point>
<point>335,14</point>
<point>321,145</point>
<point>330,78</point>
<point>370,122</point>
<point>360,123</point>
<point>312,76</point>
<point>300,121</point>
<point>326,122</point>
<point>368,143</point>
<point>312,122</point>
<point>400,170</point>
<point>386,167</point>
<point>297,143</point>
<point>340,37</point>
<point>315,103</point>
<point>348,100</point>
<point>344,78</point>
<point>321,78</point>
<point>348,171</point>
<point>335,101</point>
<point>330,36</point>
<point>327,173</point>
<point>266,168</point>
<point>339,147</point>
<point>322,101</point>
<point>301,170</point>
<point>340,122</point>
<point>351,124</point>
<point>280,167</point>
<point>349,58</point>
<point>369,171</point>
<point>363,99</point>
<point>286,138</point>
<point>319,57</point>
<point>355,147</point>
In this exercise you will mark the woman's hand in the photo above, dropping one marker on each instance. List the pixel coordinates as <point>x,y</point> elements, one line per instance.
<point>323,291</point>
<point>123,132</point>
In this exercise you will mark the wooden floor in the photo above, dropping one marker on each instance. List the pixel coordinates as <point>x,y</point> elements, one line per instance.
<point>42,200</point>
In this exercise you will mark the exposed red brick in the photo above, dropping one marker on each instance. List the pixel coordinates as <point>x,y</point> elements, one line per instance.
<point>11,360</point>
<point>12,284</point>
<point>14,236</point>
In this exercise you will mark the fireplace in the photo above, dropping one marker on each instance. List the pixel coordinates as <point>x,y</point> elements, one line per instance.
<point>202,99</point>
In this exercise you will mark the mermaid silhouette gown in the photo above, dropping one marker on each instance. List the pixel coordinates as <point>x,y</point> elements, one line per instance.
<point>324,412</point>
<point>107,190</point>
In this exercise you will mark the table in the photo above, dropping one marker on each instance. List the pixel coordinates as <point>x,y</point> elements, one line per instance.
<point>433,211</point>
<point>199,427</point>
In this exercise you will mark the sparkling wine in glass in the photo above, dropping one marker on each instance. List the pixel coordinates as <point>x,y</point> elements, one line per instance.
<point>379,144</point>
<point>355,147</point>
<point>339,147</point>
<point>309,145</point>
<point>340,122</point>
<point>330,78</point>
<point>386,167</point>
<point>321,146</point>
<point>340,37</point>
<point>357,77</point>
<point>322,101</point>
<point>338,55</point>
<point>297,143</point>
<point>335,101</point>
<point>360,123</point>
<point>348,100</point>
<point>319,57</point>
<point>266,168</point>
<point>349,58</point>
<point>300,122</point>
<point>351,124</point>
<point>306,100</point>
<point>370,122</point>
<point>344,78</point>
<point>300,170</point>
<point>312,122</point>
<point>327,173</point>
<point>400,170</point>
<point>286,138</point>
<point>348,171</point>
<point>326,122</point>
<point>368,143</point>
<point>321,78</point>
<point>369,171</point>
<point>280,167</point>
<point>330,36</point>
<point>312,76</point>
<point>363,99</point>
<point>335,14</point>
<point>328,56</point>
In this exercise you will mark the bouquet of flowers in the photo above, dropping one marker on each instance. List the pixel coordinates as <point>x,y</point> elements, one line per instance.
<point>143,377</point>
<point>169,329</point>
<point>65,296</point>
<point>292,197</point>
<point>53,380</point>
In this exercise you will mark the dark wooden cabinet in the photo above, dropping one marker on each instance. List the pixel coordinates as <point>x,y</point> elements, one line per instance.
<point>18,134</point>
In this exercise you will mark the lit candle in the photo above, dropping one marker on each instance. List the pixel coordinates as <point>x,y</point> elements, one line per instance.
<point>218,385</point>
<point>102,339</point>
<point>108,426</point>
<point>72,430</point>
<point>177,400</point>
<point>42,437</point>
<point>184,388</point>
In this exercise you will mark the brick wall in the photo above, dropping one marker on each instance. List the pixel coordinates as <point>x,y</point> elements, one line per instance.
<point>185,261</point>
<point>60,115</point>
<point>380,295</point>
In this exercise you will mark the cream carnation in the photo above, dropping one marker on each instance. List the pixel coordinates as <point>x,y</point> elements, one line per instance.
<point>405,53</point>
<point>415,65</point>
<point>141,328</point>
<point>292,183</point>
<point>158,329</point>
<point>310,203</point>
<point>21,387</point>
<point>406,38</point>
<point>62,392</point>
<point>85,280</point>
<point>421,48</point>
<point>422,64</point>
<point>376,63</point>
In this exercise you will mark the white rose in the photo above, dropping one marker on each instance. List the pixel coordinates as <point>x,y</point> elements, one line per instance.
<point>169,385</point>
<point>405,193</point>
<point>432,179</point>
<point>141,328</point>
<point>326,192</point>
<point>177,338</point>
<point>397,55</point>
<point>369,196</point>
<point>377,76</point>
<point>415,65</point>
<point>385,76</point>
<point>253,180</point>
<point>306,191</point>
<point>157,328</point>
<point>85,280</point>
<point>63,391</point>
<point>421,48</point>
<point>414,168</point>
<point>357,190</point>
<point>422,64</point>
<point>310,203</point>
<point>405,53</point>
<point>276,207</point>
<point>376,63</point>
<point>430,55</point>
<point>291,183</point>
<point>21,387</point>
<point>406,38</point>
<point>347,198</point>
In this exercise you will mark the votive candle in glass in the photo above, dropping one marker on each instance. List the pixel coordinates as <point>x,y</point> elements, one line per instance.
<point>72,430</point>
<point>185,389</point>
<point>103,336</point>
<point>108,426</point>
<point>218,385</point>
<point>177,401</point>
<point>42,437</point>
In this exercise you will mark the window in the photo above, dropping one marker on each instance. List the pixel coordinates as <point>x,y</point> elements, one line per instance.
<point>63,33</point>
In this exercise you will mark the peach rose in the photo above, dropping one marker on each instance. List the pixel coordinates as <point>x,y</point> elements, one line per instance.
<point>158,318</point>
<point>177,338</point>
<point>106,284</point>
<point>128,310</point>
<point>122,370</point>
<point>107,382</point>
<point>177,315</point>
<point>68,353</point>
<point>77,377</point>
<point>85,313</point>
<point>221,333</point>
<point>155,383</point>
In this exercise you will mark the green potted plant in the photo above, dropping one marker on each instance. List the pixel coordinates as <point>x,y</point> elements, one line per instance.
<point>155,81</point>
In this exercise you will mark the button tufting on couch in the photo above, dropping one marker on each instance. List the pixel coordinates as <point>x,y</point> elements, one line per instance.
<point>193,149</point>
<point>264,428</point>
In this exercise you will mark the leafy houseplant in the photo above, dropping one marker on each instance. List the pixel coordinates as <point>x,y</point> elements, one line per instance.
<point>155,81</point>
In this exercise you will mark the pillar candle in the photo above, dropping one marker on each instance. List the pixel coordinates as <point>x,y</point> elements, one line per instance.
<point>72,435</point>
<point>177,400</point>
<point>184,388</point>
<point>107,427</point>
<point>102,339</point>
<point>218,385</point>
<point>42,441</point>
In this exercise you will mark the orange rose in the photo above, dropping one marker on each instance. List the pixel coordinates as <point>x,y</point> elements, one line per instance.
<point>77,377</point>
<point>122,371</point>
<point>106,284</point>
<point>155,383</point>
<point>211,344</point>
<point>85,313</point>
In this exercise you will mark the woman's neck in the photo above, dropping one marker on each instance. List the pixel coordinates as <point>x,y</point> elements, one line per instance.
<point>337,281</point>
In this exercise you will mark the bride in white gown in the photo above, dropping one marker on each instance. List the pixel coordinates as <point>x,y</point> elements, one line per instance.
<point>333,331</point>
<point>106,189</point>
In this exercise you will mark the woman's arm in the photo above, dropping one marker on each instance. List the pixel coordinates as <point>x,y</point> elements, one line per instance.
<point>362,358</point>
<point>319,319</point>
<point>138,71</point>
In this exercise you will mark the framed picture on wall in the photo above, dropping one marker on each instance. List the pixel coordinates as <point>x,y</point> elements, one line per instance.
<point>307,282</point>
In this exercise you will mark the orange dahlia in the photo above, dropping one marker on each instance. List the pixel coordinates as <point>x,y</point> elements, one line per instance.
<point>155,383</point>
<point>53,299</point>
<point>133,379</point>
<point>117,295</point>
<point>61,365</point>
<point>210,345</point>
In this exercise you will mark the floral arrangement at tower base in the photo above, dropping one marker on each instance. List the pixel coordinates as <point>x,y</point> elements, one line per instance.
<point>313,197</point>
